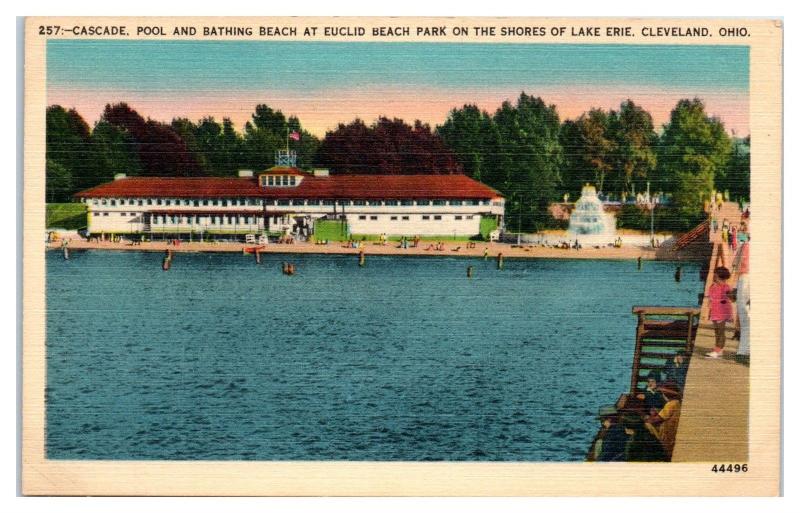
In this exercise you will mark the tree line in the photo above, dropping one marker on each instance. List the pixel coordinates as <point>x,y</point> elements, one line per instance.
<point>523,149</point>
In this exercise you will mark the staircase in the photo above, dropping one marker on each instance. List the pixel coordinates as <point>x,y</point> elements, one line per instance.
<point>661,332</point>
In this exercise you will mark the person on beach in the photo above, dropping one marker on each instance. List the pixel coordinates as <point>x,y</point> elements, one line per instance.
<point>732,238</point>
<point>720,308</point>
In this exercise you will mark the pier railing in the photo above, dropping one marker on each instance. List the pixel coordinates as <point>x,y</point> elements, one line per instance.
<point>701,230</point>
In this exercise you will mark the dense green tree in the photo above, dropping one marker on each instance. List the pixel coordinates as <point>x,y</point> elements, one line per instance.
<point>388,146</point>
<point>529,159</point>
<point>575,171</point>
<point>58,182</point>
<point>268,131</point>
<point>68,152</point>
<point>113,151</point>
<point>634,159</point>
<point>597,146</point>
<point>472,135</point>
<point>161,150</point>
<point>693,150</point>
<point>736,177</point>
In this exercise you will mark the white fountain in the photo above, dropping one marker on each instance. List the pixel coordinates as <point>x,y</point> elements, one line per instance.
<point>588,222</point>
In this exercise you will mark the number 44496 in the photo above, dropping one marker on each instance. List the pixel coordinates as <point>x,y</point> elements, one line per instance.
<point>730,467</point>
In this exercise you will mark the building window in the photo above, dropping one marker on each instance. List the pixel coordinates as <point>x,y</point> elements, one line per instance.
<point>95,214</point>
<point>393,218</point>
<point>458,218</point>
<point>94,202</point>
<point>298,202</point>
<point>344,203</point>
<point>284,180</point>
<point>105,213</point>
<point>362,218</point>
<point>374,203</point>
<point>406,203</point>
<point>174,219</point>
<point>470,217</point>
<point>283,202</point>
<point>327,202</point>
<point>312,202</point>
<point>373,218</point>
<point>437,218</point>
<point>123,214</point>
<point>426,218</point>
<point>292,180</point>
<point>103,202</point>
<point>113,203</point>
<point>439,203</point>
<point>155,219</point>
<point>391,203</point>
<point>158,201</point>
<point>456,203</point>
<point>359,203</point>
<point>423,203</point>
<point>405,218</point>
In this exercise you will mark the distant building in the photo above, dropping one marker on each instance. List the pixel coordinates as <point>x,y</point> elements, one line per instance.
<point>288,200</point>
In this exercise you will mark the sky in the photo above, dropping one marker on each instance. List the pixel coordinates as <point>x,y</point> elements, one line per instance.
<point>326,83</point>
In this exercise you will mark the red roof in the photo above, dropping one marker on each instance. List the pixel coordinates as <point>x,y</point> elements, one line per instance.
<point>311,187</point>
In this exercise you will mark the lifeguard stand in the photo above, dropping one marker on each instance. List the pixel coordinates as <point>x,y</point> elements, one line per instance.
<point>286,158</point>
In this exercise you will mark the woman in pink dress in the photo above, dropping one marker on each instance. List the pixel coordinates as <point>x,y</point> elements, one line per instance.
<point>721,309</point>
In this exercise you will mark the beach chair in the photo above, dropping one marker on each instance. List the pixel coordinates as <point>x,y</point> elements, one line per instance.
<point>250,238</point>
<point>263,239</point>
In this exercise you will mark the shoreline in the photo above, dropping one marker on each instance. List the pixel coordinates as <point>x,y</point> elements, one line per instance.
<point>455,249</point>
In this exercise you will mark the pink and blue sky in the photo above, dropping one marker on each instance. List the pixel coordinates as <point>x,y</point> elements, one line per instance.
<point>324,84</point>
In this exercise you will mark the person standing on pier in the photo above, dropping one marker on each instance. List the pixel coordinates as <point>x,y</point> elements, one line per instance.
<point>721,310</point>
<point>743,299</point>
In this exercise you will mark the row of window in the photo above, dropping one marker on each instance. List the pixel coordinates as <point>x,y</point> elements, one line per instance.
<point>283,202</point>
<point>279,181</point>
<point>407,218</point>
<point>215,220</point>
<point>191,219</point>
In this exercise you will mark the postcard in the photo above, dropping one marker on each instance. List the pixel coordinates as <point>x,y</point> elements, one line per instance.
<point>402,256</point>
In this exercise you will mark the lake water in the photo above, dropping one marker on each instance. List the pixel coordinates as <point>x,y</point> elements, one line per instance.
<point>405,359</point>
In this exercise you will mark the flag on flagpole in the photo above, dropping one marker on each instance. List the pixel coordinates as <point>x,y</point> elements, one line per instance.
<point>295,135</point>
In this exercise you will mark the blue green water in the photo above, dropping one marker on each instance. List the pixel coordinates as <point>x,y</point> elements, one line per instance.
<point>405,359</point>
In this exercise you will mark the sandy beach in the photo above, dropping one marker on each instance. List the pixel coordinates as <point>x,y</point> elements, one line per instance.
<point>453,249</point>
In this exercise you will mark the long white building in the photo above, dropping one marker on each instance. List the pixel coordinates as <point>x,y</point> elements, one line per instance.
<point>288,200</point>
